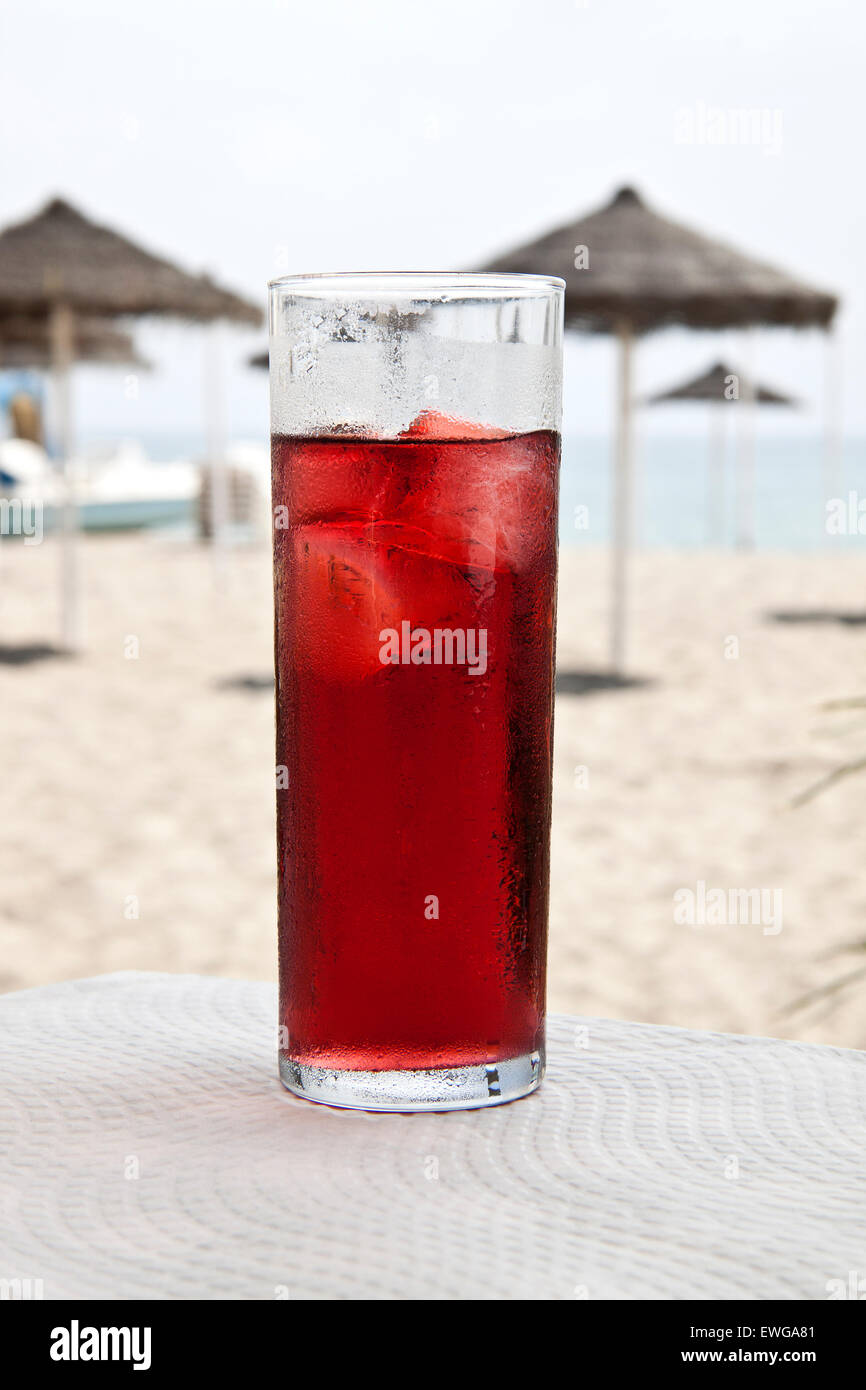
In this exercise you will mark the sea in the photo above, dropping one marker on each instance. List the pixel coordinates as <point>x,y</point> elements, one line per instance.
<point>794,507</point>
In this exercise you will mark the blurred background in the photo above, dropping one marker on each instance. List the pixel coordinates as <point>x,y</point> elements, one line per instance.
<point>719,743</point>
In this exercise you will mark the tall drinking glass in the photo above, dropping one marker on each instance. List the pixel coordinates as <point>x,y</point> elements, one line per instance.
<point>415,425</point>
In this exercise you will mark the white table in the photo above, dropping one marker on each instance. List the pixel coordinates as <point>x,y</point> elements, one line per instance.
<point>149,1151</point>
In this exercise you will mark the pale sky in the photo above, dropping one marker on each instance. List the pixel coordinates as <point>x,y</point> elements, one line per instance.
<point>271,136</point>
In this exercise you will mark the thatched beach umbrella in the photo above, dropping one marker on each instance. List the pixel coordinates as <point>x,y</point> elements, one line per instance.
<point>629,271</point>
<point>26,343</point>
<point>718,386</point>
<point>58,265</point>
<point>61,257</point>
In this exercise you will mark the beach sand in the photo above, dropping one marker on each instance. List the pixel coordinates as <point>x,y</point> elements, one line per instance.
<point>137,790</point>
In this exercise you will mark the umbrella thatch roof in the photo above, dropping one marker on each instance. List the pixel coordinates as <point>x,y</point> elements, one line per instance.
<point>713,384</point>
<point>259,359</point>
<point>648,272</point>
<point>25,342</point>
<point>61,257</point>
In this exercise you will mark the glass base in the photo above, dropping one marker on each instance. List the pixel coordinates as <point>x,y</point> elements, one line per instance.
<point>448,1088</point>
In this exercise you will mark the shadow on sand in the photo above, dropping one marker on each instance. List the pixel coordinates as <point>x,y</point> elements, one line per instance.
<point>567,682</point>
<point>596,682</point>
<point>28,653</point>
<point>818,615</point>
<point>253,683</point>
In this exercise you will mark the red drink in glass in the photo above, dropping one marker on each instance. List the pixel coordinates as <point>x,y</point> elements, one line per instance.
<point>413,827</point>
<point>414,572</point>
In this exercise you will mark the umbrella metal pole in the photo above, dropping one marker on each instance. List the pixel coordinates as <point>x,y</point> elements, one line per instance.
<point>622,501</point>
<point>746,451</point>
<point>832,472</point>
<point>715,489</point>
<point>60,329</point>
<point>216,445</point>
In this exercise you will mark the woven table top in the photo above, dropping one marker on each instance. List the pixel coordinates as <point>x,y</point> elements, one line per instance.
<point>149,1151</point>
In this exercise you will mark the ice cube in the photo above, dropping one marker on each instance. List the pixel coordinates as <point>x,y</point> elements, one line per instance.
<point>354,581</point>
<point>433,424</point>
<point>486,500</point>
<point>335,479</point>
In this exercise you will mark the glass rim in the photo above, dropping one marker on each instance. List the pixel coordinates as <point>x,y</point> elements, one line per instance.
<point>419,284</point>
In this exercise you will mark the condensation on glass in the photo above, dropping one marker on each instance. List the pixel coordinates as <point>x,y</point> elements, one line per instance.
<point>415,425</point>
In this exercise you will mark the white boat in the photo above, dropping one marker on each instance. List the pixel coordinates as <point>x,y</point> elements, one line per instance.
<point>115,489</point>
